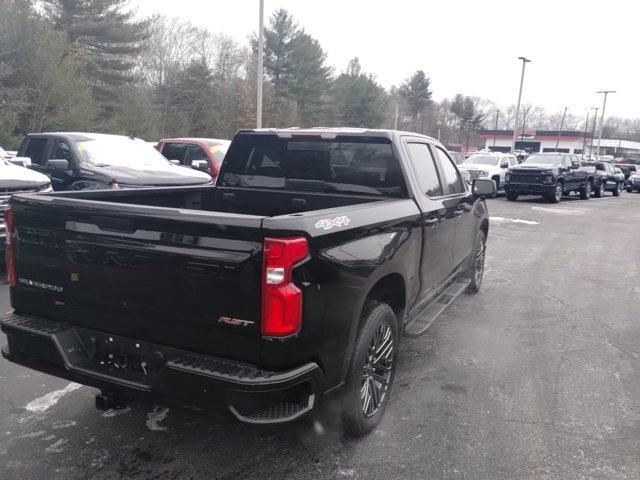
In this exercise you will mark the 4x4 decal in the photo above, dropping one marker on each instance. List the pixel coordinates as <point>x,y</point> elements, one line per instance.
<point>329,223</point>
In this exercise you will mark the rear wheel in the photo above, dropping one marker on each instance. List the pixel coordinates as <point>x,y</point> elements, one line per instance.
<point>599,191</point>
<point>372,369</point>
<point>476,265</point>
<point>512,196</point>
<point>585,192</point>
<point>617,191</point>
<point>629,190</point>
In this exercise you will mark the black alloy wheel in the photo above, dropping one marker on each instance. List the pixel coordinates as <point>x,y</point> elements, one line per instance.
<point>376,373</point>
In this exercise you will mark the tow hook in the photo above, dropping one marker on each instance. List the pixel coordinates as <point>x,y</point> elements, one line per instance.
<point>112,399</point>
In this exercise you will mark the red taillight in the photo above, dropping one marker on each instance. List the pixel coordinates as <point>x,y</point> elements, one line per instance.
<point>281,298</point>
<point>10,254</point>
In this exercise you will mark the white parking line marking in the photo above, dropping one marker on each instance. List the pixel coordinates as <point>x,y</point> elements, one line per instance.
<point>563,211</point>
<point>47,401</point>
<point>513,220</point>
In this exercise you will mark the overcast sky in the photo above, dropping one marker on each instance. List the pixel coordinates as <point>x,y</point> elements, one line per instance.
<point>469,47</point>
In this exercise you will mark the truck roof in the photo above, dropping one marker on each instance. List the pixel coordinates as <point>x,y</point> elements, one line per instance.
<point>330,132</point>
<point>79,136</point>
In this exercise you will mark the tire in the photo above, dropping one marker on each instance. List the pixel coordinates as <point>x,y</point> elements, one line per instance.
<point>511,196</point>
<point>585,192</point>
<point>378,331</point>
<point>476,263</point>
<point>629,190</point>
<point>556,196</point>
<point>599,192</point>
<point>617,190</point>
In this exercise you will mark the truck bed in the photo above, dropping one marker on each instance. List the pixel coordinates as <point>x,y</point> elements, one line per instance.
<point>255,202</point>
<point>163,264</point>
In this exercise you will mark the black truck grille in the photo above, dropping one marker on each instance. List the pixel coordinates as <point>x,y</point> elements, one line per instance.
<point>525,178</point>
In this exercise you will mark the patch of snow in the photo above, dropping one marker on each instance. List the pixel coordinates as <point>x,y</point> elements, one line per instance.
<point>513,220</point>
<point>154,418</point>
<point>47,401</point>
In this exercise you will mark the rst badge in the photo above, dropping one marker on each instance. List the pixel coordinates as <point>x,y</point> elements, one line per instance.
<point>329,223</point>
<point>234,321</point>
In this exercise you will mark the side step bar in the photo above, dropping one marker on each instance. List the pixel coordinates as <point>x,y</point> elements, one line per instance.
<point>423,319</point>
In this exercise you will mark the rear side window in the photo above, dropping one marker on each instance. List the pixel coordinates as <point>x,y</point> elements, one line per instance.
<point>351,165</point>
<point>60,151</point>
<point>35,150</point>
<point>425,169</point>
<point>175,151</point>
<point>452,178</point>
<point>195,152</point>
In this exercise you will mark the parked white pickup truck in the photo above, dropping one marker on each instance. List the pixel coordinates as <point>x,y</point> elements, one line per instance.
<point>489,165</point>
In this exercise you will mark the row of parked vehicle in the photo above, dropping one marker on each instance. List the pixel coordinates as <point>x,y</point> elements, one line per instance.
<point>551,175</point>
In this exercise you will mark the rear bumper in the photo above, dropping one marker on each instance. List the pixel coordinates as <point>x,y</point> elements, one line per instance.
<point>138,369</point>
<point>530,188</point>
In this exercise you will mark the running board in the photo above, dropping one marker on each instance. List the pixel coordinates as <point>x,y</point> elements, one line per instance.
<point>423,320</point>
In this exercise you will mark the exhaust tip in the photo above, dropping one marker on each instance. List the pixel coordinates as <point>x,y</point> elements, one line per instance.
<point>102,402</point>
<point>112,400</point>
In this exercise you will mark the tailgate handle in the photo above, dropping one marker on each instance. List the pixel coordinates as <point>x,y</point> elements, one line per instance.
<point>228,196</point>
<point>122,225</point>
<point>298,202</point>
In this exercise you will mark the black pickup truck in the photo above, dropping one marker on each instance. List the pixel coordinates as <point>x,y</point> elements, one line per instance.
<point>551,175</point>
<point>291,279</point>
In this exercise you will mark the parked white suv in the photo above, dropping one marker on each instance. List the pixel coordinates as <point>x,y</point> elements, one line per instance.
<point>489,165</point>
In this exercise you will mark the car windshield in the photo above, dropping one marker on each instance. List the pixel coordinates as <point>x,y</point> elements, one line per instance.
<point>544,159</point>
<point>482,160</point>
<point>356,165</point>
<point>120,152</point>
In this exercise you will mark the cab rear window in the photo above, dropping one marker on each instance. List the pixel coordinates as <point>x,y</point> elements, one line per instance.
<point>351,165</point>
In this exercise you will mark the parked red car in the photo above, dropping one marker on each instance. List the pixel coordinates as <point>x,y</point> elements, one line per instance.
<point>204,154</point>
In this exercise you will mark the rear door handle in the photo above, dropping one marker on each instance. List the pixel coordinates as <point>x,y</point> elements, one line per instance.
<point>431,222</point>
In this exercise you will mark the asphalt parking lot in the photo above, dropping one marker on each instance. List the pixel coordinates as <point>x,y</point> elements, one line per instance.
<point>536,377</point>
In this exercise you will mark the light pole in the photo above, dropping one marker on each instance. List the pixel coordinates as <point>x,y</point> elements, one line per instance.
<point>593,133</point>
<point>515,125</point>
<point>604,105</point>
<point>259,73</point>
<point>524,125</point>
<point>586,127</point>
<point>495,130</point>
<point>561,125</point>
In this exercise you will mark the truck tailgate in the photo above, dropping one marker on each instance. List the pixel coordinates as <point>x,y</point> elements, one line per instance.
<point>161,275</point>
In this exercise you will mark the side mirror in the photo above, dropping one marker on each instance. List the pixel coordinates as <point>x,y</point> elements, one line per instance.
<point>20,161</point>
<point>201,165</point>
<point>484,187</point>
<point>58,164</point>
<point>175,162</point>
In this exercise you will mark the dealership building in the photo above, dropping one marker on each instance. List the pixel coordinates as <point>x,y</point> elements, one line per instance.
<point>537,140</point>
<point>568,141</point>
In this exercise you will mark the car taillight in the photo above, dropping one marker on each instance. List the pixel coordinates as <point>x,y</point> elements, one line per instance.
<point>281,298</point>
<point>10,254</point>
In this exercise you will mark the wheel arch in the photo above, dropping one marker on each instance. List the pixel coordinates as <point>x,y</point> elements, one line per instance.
<point>392,290</point>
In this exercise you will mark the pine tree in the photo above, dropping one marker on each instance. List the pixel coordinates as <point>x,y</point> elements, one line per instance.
<point>106,34</point>
<point>295,69</point>
<point>415,91</point>
<point>358,100</point>
<point>308,79</point>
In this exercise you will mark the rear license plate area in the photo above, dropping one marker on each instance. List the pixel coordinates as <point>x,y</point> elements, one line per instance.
<point>120,357</point>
